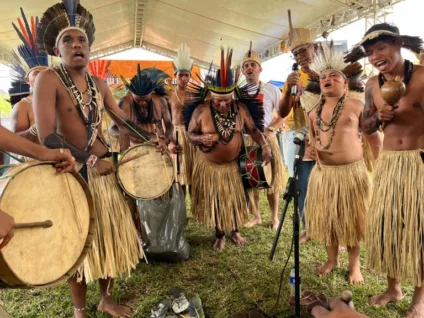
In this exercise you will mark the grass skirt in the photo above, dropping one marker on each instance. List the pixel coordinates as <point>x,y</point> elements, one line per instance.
<point>337,203</point>
<point>115,250</point>
<point>186,158</point>
<point>395,229</point>
<point>218,198</point>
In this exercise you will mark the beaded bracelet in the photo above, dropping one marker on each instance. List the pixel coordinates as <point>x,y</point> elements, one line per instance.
<point>91,161</point>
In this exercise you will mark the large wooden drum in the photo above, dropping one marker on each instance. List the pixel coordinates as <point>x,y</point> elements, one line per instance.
<point>144,173</point>
<point>255,174</point>
<point>34,192</point>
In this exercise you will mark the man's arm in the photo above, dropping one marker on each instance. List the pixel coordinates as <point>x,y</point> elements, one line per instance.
<point>194,128</point>
<point>20,123</point>
<point>44,104</point>
<point>370,121</point>
<point>250,127</point>
<point>285,104</point>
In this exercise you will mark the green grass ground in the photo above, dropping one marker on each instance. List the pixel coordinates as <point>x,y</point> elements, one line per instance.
<point>236,280</point>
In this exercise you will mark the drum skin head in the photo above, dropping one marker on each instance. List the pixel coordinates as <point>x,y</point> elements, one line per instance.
<point>147,177</point>
<point>40,256</point>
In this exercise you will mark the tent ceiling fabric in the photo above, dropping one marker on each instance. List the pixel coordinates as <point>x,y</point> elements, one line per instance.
<point>204,25</point>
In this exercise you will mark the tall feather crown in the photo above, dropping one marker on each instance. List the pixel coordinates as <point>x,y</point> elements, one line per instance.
<point>183,62</point>
<point>63,16</point>
<point>29,56</point>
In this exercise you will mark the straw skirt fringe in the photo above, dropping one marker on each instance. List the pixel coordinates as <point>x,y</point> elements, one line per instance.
<point>115,250</point>
<point>278,173</point>
<point>337,203</point>
<point>186,158</point>
<point>395,229</point>
<point>218,199</point>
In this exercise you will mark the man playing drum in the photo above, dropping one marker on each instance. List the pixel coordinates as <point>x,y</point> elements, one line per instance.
<point>215,127</point>
<point>270,95</point>
<point>148,108</point>
<point>68,106</point>
<point>182,147</point>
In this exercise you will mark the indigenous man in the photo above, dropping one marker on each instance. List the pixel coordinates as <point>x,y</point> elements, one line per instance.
<point>68,105</point>
<point>215,127</point>
<point>182,147</point>
<point>147,106</point>
<point>270,95</point>
<point>33,61</point>
<point>339,189</point>
<point>395,227</point>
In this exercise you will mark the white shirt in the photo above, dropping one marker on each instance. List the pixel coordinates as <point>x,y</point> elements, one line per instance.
<point>270,95</point>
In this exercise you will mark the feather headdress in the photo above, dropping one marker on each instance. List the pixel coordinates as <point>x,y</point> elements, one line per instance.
<point>224,81</point>
<point>183,62</point>
<point>63,16</point>
<point>99,68</point>
<point>328,59</point>
<point>146,81</point>
<point>29,56</point>
<point>412,43</point>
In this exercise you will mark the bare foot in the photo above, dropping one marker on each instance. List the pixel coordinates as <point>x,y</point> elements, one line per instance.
<point>386,297</point>
<point>326,268</point>
<point>80,313</point>
<point>355,277</point>
<point>275,224</point>
<point>219,244</point>
<point>109,306</point>
<point>415,311</point>
<point>253,222</point>
<point>303,238</point>
<point>238,239</point>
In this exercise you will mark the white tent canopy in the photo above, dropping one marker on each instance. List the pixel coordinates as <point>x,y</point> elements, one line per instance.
<point>161,25</point>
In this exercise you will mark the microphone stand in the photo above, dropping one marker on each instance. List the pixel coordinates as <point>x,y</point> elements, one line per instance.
<point>292,192</point>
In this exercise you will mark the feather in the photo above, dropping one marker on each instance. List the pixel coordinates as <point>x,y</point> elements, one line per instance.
<point>31,40</point>
<point>221,72</point>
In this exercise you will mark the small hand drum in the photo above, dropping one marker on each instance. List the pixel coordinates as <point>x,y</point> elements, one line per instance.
<point>254,173</point>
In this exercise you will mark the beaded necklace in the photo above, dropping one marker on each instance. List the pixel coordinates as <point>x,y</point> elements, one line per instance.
<point>324,126</point>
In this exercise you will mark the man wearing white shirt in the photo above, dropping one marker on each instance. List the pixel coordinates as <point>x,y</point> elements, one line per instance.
<point>270,95</point>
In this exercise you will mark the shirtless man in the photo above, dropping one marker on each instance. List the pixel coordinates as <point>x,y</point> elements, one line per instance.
<point>394,228</point>
<point>218,199</point>
<point>339,188</point>
<point>23,121</point>
<point>68,106</point>
<point>185,150</point>
<point>146,107</point>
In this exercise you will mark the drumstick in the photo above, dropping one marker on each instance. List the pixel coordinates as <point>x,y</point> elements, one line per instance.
<point>163,159</point>
<point>178,157</point>
<point>31,225</point>
<point>130,159</point>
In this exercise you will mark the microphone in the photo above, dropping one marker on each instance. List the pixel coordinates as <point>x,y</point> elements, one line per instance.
<point>295,68</point>
<point>300,136</point>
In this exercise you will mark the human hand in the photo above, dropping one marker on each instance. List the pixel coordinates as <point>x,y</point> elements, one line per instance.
<point>7,224</point>
<point>175,148</point>
<point>293,79</point>
<point>162,146</point>
<point>209,140</point>
<point>386,113</point>
<point>104,167</point>
<point>339,309</point>
<point>266,154</point>
<point>310,152</point>
<point>63,157</point>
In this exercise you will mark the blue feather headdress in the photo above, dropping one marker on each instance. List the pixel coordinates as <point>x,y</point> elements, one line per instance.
<point>29,56</point>
<point>146,81</point>
<point>63,16</point>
